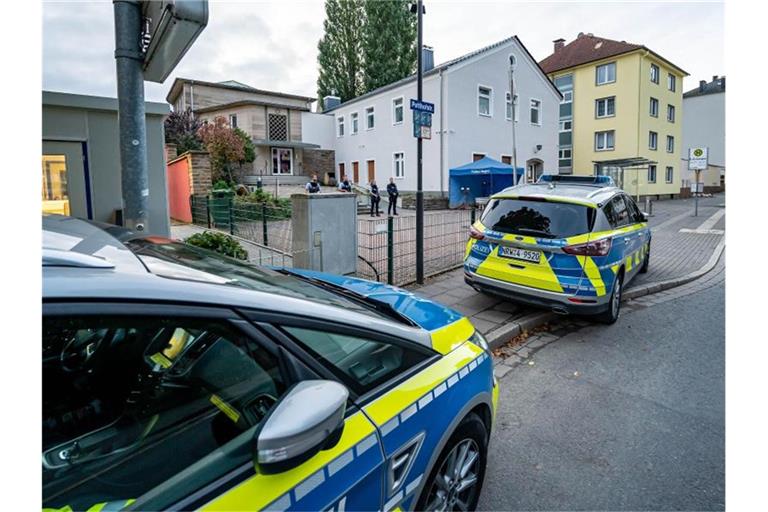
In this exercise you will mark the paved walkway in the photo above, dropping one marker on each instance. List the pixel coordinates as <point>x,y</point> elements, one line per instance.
<point>674,253</point>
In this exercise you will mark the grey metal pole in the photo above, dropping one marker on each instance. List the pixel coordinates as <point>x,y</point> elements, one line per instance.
<point>696,196</point>
<point>514,142</point>
<point>419,184</point>
<point>131,116</point>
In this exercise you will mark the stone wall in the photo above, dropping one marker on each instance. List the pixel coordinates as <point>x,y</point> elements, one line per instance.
<point>432,201</point>
<point>199,172</point>
<point>320,162</point>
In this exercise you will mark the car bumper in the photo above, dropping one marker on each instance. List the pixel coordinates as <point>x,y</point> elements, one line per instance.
<point>554,301</point>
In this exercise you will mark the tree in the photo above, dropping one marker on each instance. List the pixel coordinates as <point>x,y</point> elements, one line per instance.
<point>225,147</point>
<point>181,129</point>
<point>340,50</point>
<point>389,42</point>
<point>249,150</point>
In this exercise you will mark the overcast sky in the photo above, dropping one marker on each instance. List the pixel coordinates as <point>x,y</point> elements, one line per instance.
<point>273,44</point>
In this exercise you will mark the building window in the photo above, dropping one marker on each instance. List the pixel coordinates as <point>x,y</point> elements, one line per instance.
<point>651,174</point>
<point>566,125</point>
<point>671,113</point>
<point>671,82</point>
<point>653,140</point>
<point>340,126</point>
<point>605,74</point>
<point>510,107</point>
<point>536,112</point>
<point>398,161</point>
<point>654,111</point>
<point>506,159</point>
<point>654,73</point>
<point>564,157</point>
<point>233,121</point>
<point>670,174</point>
<point>370,121</point>
<point>605,107</point>
<point>477,156</point>
<point>397,110</point>
<point>670,144</point>
<point>278,127</point>
<point>355,124</point>
<point>604,141</point>
<point>484,99</point>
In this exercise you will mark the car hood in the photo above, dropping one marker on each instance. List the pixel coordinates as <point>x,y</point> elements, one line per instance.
<point>448,327</point>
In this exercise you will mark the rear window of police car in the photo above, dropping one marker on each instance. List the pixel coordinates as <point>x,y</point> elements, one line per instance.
<point>545,219</point>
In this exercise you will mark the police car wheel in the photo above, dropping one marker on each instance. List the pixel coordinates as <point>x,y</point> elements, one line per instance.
<point>457,477</point>
<point>610,315</point>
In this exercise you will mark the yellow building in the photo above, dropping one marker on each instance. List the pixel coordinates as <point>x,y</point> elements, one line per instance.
<point>621,113</point>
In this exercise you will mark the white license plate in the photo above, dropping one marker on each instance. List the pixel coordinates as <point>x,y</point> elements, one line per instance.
<point>520,254</point>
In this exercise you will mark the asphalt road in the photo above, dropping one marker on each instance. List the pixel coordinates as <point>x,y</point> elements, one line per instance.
<point>622,417</point>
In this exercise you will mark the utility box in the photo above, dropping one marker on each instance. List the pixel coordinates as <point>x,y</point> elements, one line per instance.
<point>325,232</point>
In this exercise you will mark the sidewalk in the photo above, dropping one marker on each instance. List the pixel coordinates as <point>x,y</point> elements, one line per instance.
<point>677,257</point>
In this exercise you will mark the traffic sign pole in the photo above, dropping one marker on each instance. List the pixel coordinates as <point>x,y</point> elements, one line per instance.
<point>419,184</point>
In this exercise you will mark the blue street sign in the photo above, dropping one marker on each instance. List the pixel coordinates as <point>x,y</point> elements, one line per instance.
<point>423,106</point>
<point>422,118</point>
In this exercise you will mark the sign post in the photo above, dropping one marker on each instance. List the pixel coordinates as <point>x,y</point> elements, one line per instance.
<point>698,160</point>
<point>419,178</point>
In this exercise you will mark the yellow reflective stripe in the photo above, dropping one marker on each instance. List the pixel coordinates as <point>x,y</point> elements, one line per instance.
<point>260,490</point>
<point>470,243</point>
<point>587,237</point>
<point>628,262</point>
<point>452,335</point>
<point>495,397</point>
<point>398,399</point>
<point>66,508</point>
<point>534,275</point>
<point>615,268</point>
<point>593,274</point>
<point>637,257</point>
<point>107,506</point>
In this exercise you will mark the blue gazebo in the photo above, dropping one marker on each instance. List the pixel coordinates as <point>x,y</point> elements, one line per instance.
<point>479,179</point>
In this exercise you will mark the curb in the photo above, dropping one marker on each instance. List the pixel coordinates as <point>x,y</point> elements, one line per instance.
<point>499,336</point>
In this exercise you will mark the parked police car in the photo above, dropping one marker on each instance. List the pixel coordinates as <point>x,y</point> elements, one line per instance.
<point>567,243</point>
<point>176,378</point>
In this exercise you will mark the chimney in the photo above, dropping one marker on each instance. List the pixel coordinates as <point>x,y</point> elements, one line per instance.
<point>427,58</point>
<point>559,44</point>
<point>581,34</point>
<point>714,78</point>
<point>702,84</point>
<point>330,102</point>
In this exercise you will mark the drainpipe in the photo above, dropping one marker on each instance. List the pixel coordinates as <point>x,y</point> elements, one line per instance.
<point>639,109</point>
<point>442,115</point>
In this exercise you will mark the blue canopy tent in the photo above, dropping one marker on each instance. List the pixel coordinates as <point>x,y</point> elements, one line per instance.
<point>479,179</point>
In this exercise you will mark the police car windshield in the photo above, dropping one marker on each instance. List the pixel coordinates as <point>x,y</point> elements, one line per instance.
<point>176,260</point>
<point>536,218</point>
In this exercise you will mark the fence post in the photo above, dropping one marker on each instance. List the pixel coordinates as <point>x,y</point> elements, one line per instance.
<point>208,210</point>
<point>264,223</point>
<point>390,250</point>
<point>231,217</point>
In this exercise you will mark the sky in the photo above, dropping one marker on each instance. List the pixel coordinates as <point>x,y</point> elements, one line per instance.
<point>272,45</point>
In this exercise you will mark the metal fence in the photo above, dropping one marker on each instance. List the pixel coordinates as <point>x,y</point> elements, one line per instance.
<point>387,246</point>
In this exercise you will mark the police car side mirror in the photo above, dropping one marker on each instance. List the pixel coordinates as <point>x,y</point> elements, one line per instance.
<point>309,418</point>
<point>645,216</point>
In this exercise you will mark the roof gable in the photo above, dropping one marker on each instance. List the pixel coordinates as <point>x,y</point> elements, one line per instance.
<point>585,48</point>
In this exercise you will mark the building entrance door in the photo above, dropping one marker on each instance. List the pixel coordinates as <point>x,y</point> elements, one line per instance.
<point>371,170</point>
<point>65,187</point>
<point>356,172</point>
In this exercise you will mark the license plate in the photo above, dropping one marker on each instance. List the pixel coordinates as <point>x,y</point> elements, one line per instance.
<point>519,254</point>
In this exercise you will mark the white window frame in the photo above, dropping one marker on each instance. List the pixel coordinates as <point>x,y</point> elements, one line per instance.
<point>509,105</point>
<point>370,112</point>
<point>395,122</point>
<point>655,172</point>
<point>657,70</point>
<point>597,109</point>
<point>669,174</point>
<point>397,176</point>
<point>673,110</point>
<point>231,117</point>
<point>597,73</point>
<point>566,98</point>
<point>653,140</point>
<point>671,82</point>
<point>563,128</point>
<point>605,137</point>
<point>561,156</point>
<point>354,119</point>
<point>272,160</point>
<point>501,158</point>
<point>482,153</point>
<point>671,139</point>
<point>490,100</point>
<point>539,110</point>
<point>650,107</point>
<point>339,126</point>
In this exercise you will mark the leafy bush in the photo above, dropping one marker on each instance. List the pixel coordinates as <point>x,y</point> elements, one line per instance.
<point>222,185</point>
<point>181,129</point>
<point>219,242</point>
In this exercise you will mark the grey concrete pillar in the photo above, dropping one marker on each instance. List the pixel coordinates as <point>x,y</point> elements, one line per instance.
<point>325,232</point>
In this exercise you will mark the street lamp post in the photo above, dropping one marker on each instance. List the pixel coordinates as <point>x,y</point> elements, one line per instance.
<point>514,110</point>
<point>419,184</point>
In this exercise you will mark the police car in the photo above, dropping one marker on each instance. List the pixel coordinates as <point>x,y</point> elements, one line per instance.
<point>175,378</point>
<point>566,243</point>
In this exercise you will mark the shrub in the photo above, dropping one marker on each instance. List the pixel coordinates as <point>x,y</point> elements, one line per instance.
<point>219,242</point>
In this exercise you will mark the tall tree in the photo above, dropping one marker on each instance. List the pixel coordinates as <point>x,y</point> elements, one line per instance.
<point>340,50</point>
<point>389,42</point>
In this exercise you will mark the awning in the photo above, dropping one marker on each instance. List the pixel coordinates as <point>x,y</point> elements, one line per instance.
<point>485,165</point>
<point>626,163</point>
<point>285,144</point>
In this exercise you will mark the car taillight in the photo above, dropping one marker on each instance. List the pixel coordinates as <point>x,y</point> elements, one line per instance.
<point>597,248</point>
<point>474,233</point>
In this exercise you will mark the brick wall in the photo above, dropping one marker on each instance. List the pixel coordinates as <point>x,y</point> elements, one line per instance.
<point>199,172</point>
<point>320,162</point>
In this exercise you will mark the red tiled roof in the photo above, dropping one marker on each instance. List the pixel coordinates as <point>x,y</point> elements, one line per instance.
<point>585,48</point>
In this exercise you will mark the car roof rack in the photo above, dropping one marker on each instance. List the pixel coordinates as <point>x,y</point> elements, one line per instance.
<point>594,181</point>
<point>59,258</point>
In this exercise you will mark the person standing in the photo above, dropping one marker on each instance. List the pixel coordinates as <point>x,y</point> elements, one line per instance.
<point>345,185</point>
<point>313,187</point>
<point>375,198</point>
<point>393,193</point>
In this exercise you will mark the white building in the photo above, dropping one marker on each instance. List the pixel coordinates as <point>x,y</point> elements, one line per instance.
<point>373,133</point>
<point>704,125</point>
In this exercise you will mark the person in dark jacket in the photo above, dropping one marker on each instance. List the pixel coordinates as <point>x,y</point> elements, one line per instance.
<point>375,198</point>
<point>313,187</point>
<point>393,193</point>
<point>345,185</point>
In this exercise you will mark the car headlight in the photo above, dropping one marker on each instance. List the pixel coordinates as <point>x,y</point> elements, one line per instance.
<point>480,341</point>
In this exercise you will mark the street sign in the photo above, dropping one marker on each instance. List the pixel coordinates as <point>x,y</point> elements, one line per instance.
<point>422,106</point>
<point>698,158</point>
<point>422,123</point>
<point>170,28</point>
